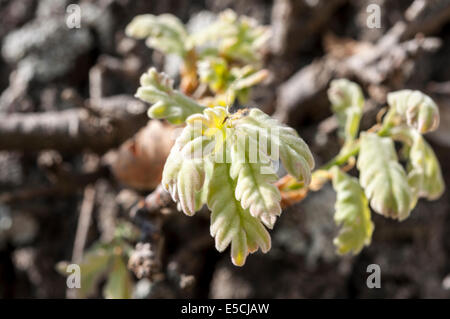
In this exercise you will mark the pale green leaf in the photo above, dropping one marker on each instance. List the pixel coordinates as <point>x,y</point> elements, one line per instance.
<point>214,72</point>
<point>283,143</point>
<point>164,32</point>
<point>255,177</point>
<point>95,264</point>
<point>236,38</point>
<point>189,183</point>
<point>238,184</point>
<point>384,180</point>
<point>424,171</point>
<point>347,102</point>
<point>425,176</point>
<point>417,108</point>
<point>247,77</point>
<point>174,161</point>
<point>119,284</point>
<point>186,167</point>
<point>352,212</point>
<point>184,175</point>
<point>230,223</point>
<point>168,103</point>
<point>210,121</point>
<point>231,81</point>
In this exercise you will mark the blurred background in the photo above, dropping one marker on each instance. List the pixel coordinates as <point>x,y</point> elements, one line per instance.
<point>78,155</point>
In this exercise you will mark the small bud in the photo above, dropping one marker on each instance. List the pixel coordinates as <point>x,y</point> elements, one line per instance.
<point>419,110</point>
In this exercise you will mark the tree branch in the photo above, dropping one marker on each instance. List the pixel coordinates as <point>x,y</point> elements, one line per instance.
<point>110,121</point>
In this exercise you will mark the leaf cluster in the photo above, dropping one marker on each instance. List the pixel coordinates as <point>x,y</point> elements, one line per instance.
<point>219,160</point>
<point>225,56</point>
<point>390,188</point>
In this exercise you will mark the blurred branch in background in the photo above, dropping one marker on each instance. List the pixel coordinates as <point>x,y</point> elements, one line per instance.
<point>387,63</point>
<point>105,124</point>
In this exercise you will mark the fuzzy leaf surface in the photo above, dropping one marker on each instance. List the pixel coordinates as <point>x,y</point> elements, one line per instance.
<point>282,143</point>
<point>347,102</point>
<point>236,38</point>
<point>230,223</point>
<point>384,180</point>
<point>183,174</point>
<point>424,171</point>
<point>425,177</point>
<point>164,32</point>
<point>352,213</point>
<point>417,108</point>
<point>255,180</point>
<point>168,103</point>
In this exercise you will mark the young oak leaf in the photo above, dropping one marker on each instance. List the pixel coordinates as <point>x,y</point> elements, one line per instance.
<point>240,194</point>
<point>185,170</point>
<point>425,177</point>
<point>173,163</point>
<point>236,38</point>
<point>254,181</point>
<point>243,79</point>
<point>184,176</point>
<point>214,71</point>
<point>211,126</point>
<point>384,180</point>
<point>164,32</point>
<point>229,83</point>
<point>347,102</point>
<point>283,143</point>
<point>424,171</point>
<point>230,223</point>
<point>210,121</point>
<point>419,110</point>
<point>168,103</point>
<point>352,212</point>
<point>191,178</point>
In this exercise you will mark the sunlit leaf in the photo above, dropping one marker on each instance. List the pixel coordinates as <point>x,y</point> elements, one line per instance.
<point>228,82</point>
<point>164,32</point>
<point>352,213</point>
<point>214,72</point>
<point>168,103</point>
<point>347,104</point>
<point>282,142</point>
<point>246,77</point>
<point>424,171</point>
<point>384,180</point>
<point>184,176</point>
<point>230,223</point>
<point>254,181</point>
<point>425,176</point>
<point>189,183</point>
<point>418,109</point>
<point>234,173</point>
<point>236,38</point>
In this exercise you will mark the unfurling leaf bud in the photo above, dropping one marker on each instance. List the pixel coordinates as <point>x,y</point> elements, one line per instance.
<point>169,104</point>
<point>419,110</point>
<point>347,103</point>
